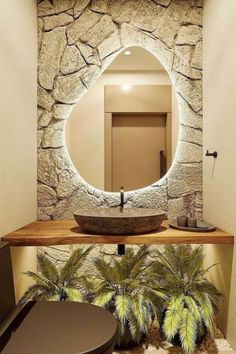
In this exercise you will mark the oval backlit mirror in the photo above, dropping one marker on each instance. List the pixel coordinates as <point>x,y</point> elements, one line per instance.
<point>124,130</point>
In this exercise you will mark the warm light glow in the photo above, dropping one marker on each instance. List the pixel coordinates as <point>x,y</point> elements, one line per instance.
<point>126,87</point>
<point>127,52</point>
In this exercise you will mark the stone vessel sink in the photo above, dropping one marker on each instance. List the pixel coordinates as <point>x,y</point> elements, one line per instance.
<point>119,221</point>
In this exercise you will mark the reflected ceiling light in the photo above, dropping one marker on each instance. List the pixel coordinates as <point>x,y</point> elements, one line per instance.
<point>127,52</point>
<point>126,87</point>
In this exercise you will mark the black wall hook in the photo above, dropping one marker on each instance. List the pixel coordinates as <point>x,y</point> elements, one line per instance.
<point>213,154</point>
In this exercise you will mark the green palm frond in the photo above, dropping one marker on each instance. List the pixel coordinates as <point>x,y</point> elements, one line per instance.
<point>203,285</point>
<point>85,281</point>
<point>188,331</point>
<point>121,327</point>
<point>140,260</point>
<point>103,269</point>
<point>173,316</point>
<point>104,297</point>
<point>35,277</point>
<point>47,268</point>
<point>134,327</point>
<point>140,313</point>
<point>37,292</point>
<point>195,265</point>
<point>125,288</point>
<point>193,307</point>
<point>160,294</point>
<point>122,303</point>
<point>74,294</point>
<point>58,284</point>
<point>206,310</point>
<point>75,261</point>
<point>191,297</point>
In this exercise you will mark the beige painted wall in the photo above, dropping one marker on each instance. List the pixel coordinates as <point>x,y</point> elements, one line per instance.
<point>18,65</point>
<point>85,128</point>
<point>219,186</point>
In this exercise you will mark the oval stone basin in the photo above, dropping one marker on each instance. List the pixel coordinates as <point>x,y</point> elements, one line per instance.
<point>119,221</point>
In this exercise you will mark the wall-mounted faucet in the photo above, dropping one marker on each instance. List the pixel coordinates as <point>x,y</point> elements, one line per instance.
<point>213,154</point>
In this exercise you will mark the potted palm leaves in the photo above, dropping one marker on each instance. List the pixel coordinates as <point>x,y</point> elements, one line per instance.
<point>191,299</point>
<point>66,283</point>
<point>123,287</point>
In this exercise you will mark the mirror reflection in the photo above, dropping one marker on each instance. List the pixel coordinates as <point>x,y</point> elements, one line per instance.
<point>124,130</point>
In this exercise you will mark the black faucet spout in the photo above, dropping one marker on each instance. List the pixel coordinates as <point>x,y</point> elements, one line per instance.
<point>122,197</point>
<point>121,247</point>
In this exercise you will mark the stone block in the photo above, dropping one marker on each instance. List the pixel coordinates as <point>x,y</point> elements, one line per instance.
<point>194,16</point>
<point>39,113</point>
<point>187,116</point>
<point>57,254</point>
<point>67,183</point>
<point>52,47</point>
<point>101,30</point>
<point>80,199</point>
<point>51,22</point>
<point>79,7</point>
<point>72,60</point>
<point>46,196</point>
<point>110,45</point>
<point>89,75</point>
<point>68,89</point>
<point>100,6</point>
<point>45,100</point>
<point>62,111</point>
<point>44,119</point>
<point>40,33</point>
<point>188,152</point>
<point>54,135</point>
<point>39,138</point>
<point>191,135</point>
<point>148,16</point>
<point>198,3</point>
<point>163,2</point>
<point>82,25</point>
<point>124,10</point>
<point>190,90</point>
<point>184,179</point>
<point>51,162</point>
<point>153,197</point>
<point>45,8</point>
<point>169,24</point>
<point>182,206</point>
<point>62,5</point>
<point>45,213</point>
<point>189,35</point>
<point>182,62</point>
<point>89,54</point>
<point>197,56</point>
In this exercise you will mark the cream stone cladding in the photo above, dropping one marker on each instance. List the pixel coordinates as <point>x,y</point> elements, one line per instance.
<point>77,40</point>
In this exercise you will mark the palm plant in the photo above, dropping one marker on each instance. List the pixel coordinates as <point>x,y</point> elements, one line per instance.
<point>123,287</point>
<point>56,284</point>
<point>188,311</point>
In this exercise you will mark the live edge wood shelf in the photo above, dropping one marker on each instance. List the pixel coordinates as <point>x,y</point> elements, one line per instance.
<point>49,233</point>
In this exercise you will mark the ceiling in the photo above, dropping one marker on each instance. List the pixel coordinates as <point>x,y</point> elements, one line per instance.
<point>139,60</point>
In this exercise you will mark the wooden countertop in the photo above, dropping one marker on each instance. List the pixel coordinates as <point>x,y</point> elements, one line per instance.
<point>49,233</point>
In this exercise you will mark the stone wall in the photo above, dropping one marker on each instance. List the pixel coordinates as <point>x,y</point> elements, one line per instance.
<point>77,41</point>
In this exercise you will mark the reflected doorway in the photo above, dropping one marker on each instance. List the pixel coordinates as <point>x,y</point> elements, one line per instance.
<point>138,149</point>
